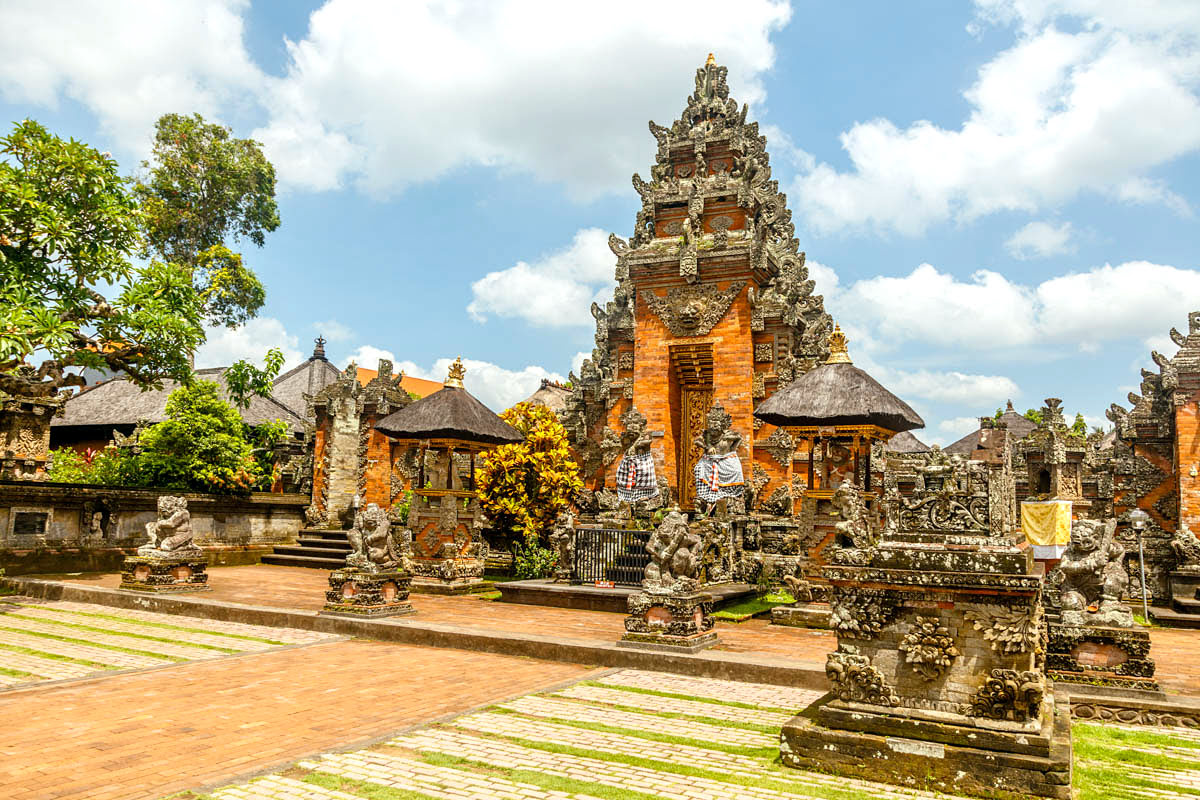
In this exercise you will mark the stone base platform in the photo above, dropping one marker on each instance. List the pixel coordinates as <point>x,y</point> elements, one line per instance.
<point>662,620</point>
<point>804,615</point>
<point>459,586</point>
<point>353,593</point>
<point>1037,765</point>
<point>1116,657</point>
<point>542,592</point>
<point>166,574</point>
<point>666,643</point>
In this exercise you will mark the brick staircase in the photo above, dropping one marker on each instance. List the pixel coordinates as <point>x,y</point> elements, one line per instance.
<point>315,548</point>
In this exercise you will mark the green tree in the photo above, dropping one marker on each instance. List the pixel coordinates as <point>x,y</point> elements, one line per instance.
<point>202,446</point>
<point>1079,427</point>
<point>523,487</point>
<point>68,227</point>
<point>201,189</point>
<point>1033,415</point>
<point>243,380</point>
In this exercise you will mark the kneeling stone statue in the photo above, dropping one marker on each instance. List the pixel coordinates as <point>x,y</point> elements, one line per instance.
<point>171,561</point>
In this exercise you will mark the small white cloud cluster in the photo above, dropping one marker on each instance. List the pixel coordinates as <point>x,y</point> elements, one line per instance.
<point>1041,240</point>
<point>250,342</point>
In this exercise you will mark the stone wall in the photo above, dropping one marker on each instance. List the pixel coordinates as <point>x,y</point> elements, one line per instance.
<point>50,527</point>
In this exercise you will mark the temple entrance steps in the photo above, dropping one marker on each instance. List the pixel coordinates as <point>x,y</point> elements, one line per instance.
<point>316,548</point>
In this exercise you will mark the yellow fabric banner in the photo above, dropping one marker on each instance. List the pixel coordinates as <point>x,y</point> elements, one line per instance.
<point>1047,523</point>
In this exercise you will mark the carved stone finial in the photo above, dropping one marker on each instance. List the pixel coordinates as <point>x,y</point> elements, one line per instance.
<point>1009,407</point>
<point>319,349</point>
<point>455,376</point>
<point>837,347</point>
<point>711,61</point>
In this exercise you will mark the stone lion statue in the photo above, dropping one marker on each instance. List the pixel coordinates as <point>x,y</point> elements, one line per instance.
<point>171,533</point>
<point>674,555</point>
<point>374,548</point>
<point>1093,576</point>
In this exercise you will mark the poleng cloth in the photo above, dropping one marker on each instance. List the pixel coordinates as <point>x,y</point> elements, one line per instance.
<point>718,477</point>
<point>1047,526</point>
<point>635,478</point>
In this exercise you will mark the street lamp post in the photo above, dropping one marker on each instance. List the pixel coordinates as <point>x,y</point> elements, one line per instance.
<point>1138,519</point>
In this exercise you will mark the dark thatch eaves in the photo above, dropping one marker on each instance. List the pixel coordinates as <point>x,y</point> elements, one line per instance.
<point>449,413</point>
<point>1018,428</point>
<point>837,393</point>
<point>905,442</point>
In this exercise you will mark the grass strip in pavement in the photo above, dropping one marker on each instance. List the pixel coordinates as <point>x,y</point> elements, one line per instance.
<point>1103,757</point>
<point>166,625</point>
<point>765,753</point>
<point>29,651</point>
<point>767,784</point>
<point>19,673</point>
<point>551,783</point>
<point>773,730</point>
<point>110,632</point>
<point>366,789</point>
<point>677,696</point>
<point>86,643</point>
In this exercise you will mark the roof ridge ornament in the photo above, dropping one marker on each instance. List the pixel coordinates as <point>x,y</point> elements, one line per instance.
<point>712,62</point>
<point>837,347</point>
<point>454,377</point>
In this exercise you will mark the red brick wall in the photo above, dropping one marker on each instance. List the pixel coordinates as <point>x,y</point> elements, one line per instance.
<point>1187,459</point>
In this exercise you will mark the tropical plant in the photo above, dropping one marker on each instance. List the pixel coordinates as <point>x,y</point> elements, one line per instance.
<point>523,487</point>
<point>243,380</point>
<point>68,228</point>
<point>531,560</point>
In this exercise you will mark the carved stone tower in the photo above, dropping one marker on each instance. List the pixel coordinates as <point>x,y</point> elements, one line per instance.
<point>713,304</point>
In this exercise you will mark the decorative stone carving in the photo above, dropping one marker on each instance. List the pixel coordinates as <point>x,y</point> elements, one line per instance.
<point>862,613</point>
<point>1186,547</point>
<point>928,647</point>
<point>718,472</point>
<point>171,533</point>
<point>675,556</point>
<point>171,561</point>
<point>1010,695</point>
<point>854,680</point>
<point>374,547</point>
<point>764,353</point>
<point>635,474</point>
<point>693,310</point>
<point>857,527</point>
<point>1093,577</point>
<point>1009,630</point>
<point>780,445</point>
<point>562,540</point>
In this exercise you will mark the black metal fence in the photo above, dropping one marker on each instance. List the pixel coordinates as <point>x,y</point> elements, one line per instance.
<point>610,555</point>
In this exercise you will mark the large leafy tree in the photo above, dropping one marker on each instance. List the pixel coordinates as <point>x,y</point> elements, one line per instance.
<point>68,228</point>
<point>201,190</point>
<point>523,487</point>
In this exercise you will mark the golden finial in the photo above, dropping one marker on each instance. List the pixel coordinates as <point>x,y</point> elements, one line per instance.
<point>457,371</point>
<point>711,61</point>
<point>837,347</point>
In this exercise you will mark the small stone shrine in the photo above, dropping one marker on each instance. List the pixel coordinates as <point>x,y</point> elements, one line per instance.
<point>671,613</point>
<point>448,429</point>
<point>171,561</point>
<point>1095,640</point>
<point>376,579</point>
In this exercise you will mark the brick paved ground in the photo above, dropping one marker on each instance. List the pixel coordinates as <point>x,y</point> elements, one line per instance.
<point>588,740</point>
<point>1176,651</point>
<point>151,733</point>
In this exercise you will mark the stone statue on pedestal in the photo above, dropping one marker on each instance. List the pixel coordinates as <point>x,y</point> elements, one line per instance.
<point>562,540</point>
<point>374,548</point>
<point>171,561</point>
<point>171,533</point>
<point>1093,577</point>
<point>674,556</point>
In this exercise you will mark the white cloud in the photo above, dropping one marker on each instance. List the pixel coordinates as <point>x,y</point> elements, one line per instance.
<point>129,62</point>
<point>1041,240</point>
<point>385,94</point>
<point>250,342</point>
<point>958,427</point>
<point>951,387</point>
<point>496,387</point>
<point>367,356</point>
<point>554,291</point>
<point>1056,114</point>
<point>333,330</point>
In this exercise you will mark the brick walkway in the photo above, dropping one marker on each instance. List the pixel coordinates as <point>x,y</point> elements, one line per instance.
<point>1176,651</point>
<point>152,733</point>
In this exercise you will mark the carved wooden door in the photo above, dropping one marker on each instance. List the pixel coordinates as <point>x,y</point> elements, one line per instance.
<point>697,400</point>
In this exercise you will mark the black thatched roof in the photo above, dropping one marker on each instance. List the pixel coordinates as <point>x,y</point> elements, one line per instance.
<point>308,378</point>
<point>905,442</point>
<point>1018,427</point>
<point>449,413</point>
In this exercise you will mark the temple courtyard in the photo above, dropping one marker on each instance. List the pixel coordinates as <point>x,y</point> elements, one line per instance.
<point>120,696</point>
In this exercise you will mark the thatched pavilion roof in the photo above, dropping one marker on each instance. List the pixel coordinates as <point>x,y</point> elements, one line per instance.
<point>1018,428</point>
<point>838,393</point>
<point>905,442</point>
<point>449,413</point>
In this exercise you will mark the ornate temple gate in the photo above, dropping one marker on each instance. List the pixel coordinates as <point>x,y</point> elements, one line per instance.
<point>693,371</point>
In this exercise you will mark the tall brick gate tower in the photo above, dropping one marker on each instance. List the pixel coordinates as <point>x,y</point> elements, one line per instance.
<point>713,305</point>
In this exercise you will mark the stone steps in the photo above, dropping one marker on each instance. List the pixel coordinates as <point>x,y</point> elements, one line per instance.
<point>315,548</point>
<point>1173,618</point>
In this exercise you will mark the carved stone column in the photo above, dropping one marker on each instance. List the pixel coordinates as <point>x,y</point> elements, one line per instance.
<point>25,435</point>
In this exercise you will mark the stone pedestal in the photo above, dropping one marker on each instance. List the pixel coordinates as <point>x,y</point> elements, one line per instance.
<point>449,576</point>
<point>1185,590</point>
<point>802,615</point>
<point>938,681</point>
<point>163,574</point>
<point>355,593</point>
<point>1118,657</point>
<point>671,622</point>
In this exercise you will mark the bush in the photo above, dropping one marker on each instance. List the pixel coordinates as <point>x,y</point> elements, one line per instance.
<point>107,467</point>
<point>532,561</point>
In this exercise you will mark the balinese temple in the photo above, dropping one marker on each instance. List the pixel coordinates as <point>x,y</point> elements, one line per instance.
<point>446,432</point>
<point>713,306</point>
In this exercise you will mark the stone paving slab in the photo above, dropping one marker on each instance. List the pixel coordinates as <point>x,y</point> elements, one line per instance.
<point>672,705</point>
<point>784,697</point>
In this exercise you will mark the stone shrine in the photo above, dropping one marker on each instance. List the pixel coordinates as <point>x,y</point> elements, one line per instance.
<point>376,579</point>
<point>170,562</point>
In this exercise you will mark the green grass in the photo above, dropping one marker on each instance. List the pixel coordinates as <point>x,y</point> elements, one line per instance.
<point>366,789</point>
<point>92,629</point>
<point>85,642</point>
<point>724,723</point>
<point>490,595</point>
<point>29,651</point>
<point>1103,757</point>
<point>745,609</point>
<point>17,673</point>
<point>765,753</point>
<point>1140,620</point>
<point>675,695</point>
<point>167,626</point>
<point>550,783</point>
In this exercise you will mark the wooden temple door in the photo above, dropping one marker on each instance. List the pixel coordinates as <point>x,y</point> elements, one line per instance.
<point>693,371</point>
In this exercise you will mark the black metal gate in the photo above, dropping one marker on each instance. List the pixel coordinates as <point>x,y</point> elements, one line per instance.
<point>613,555</point>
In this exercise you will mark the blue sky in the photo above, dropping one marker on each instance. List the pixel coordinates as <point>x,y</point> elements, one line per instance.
<point>997,198</point>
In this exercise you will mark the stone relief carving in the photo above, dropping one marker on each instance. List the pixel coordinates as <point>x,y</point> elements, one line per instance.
<point>1009,630</point>
<point>928,647</point>
<point>1186,547</point>
<point>693,310</point>
<point>374,546</point>
<point>1010,695</point>
<point>857,526</point>
<point>854,680</point>
<point>861,613</point>
<point>171,533</point>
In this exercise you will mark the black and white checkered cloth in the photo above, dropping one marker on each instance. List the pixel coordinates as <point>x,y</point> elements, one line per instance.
<point>718,477</point>
<point>635,478</point>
